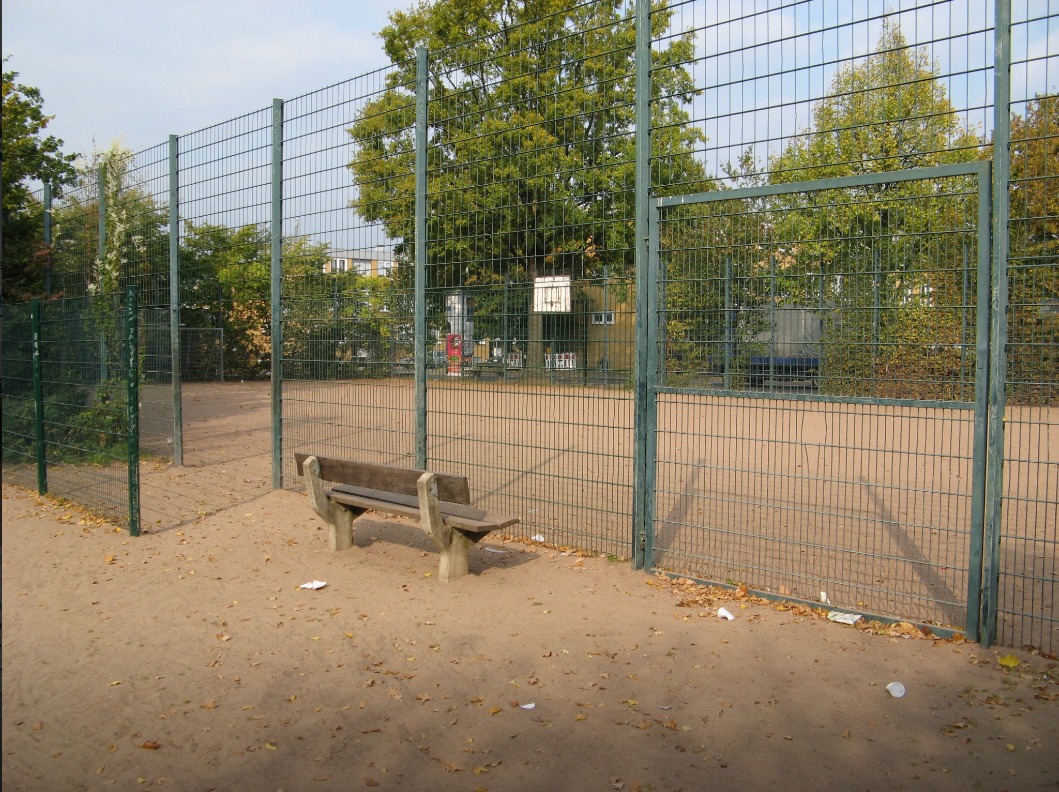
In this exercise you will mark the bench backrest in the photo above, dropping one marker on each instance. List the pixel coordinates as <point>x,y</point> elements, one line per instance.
<point>453,489</point>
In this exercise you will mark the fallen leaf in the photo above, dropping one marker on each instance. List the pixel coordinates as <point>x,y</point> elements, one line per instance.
<point>370,782</point>
<point>1008,661</point>
<point>271,746</point>
<point>151,745</point>
<point>580,716</point>
<point>208,705</point>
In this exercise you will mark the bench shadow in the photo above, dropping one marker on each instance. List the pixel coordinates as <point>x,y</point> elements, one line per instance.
<point>485,555</point>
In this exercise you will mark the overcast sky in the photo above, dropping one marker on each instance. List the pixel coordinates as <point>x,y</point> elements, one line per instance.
<point>141,70</point>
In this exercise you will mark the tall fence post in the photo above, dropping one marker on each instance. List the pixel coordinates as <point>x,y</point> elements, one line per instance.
<point>38,398</point>
<point>422,88</point>
<point>101,253</point>
<point>174,299</point>
<point>642,405</point>
<point>276,276</point>
<point>47,239</point>
<point>132,377</point>
<point>998,306</point>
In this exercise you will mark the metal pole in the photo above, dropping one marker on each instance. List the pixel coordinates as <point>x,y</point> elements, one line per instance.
<point>507,329</point>
<point>47,239</point>
<point>420,243</point>
<point>276,276</point>
<point>998,305</point>
<point>38,398</point>
<point>101,253</point>
<point>980,454</point>
<point>727,376</point>
<point>132,378</point>
<point>174,299</point>
<point>643,406</point>
<point>606,327</point>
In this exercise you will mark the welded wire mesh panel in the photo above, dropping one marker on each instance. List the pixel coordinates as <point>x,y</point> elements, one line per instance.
<point>86,402</point>
<point>19,424</point>
<point>859,306</point>
<point>824,88</point>
<point>225,193</point>
<point>138,233</point>
<point>74,258</point>
<point>530,269</point>
<point>1029,566</point>
<point>348,301</point>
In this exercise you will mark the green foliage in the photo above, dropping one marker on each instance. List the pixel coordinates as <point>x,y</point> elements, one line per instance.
<point>531,161</point>
<point>27,155</point>
<point>226,283</point>
<point>888,260</point>
<point>1033,329</point>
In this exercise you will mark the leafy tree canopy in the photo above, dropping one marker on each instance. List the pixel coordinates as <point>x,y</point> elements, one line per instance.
<point>27,153</point>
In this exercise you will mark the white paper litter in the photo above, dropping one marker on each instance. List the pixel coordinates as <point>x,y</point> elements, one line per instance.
<point>896,689</point>
<point>313,585</point>
<point>527,706</point>
<point>724,613</point>
<point>494,550</point>
<point>824,599</point>
<point>537,537</point>
<point>844,618</point>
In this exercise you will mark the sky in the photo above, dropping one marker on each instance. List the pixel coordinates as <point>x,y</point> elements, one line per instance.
<point>141,70</point>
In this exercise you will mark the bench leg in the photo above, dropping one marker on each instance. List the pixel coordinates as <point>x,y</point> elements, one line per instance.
<point>452,544</point>
<point>454,556</point>
<point>340,535</point>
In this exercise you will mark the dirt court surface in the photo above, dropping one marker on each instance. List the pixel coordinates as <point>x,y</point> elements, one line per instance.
<point>190,659</point>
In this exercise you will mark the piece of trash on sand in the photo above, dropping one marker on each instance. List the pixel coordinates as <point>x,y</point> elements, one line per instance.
<point>537,537</point>
<point>844,618</point>
<point>824,599</point>
<point>527,706</point>
<point>494,550</point>
<point>724,613</point>
<point>313,585</point>
<point>896,689</point>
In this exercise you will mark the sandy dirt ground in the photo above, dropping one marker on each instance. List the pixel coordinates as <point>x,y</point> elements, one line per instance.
<point>190,659</point>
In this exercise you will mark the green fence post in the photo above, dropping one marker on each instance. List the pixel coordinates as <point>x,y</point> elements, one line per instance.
<point>980,455</point>
<point>998,305</point>
<point>640,517</point>
<point>132,377</point>
<point>47,239</point>
<point>276,275</point>
<point>174,299</point>
<point>38,398</point>
<point>101,253</point>
<point>422,89</point>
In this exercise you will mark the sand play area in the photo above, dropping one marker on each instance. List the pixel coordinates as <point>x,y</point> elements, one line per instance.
<point>190,659</point>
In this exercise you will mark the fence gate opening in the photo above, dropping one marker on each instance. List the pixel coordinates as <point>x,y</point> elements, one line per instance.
<point>818,375</point>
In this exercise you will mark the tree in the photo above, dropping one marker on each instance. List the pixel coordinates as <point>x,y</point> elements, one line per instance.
<point>531,151</point>
<point>895,260</point>
<point>27,156</point>
<point>1033,263</point>
<point>225,285</point>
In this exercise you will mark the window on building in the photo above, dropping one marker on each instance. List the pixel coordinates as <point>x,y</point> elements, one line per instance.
<point>603,318</point>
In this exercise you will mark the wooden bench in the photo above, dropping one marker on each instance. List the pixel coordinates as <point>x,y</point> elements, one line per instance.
<point>441,503</point>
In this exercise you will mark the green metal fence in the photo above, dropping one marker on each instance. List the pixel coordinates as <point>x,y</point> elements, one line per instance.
<point>828,370</point>
<point>821,407</point>
<point>71,402</point>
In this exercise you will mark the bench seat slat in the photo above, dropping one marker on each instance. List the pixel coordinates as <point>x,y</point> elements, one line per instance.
<point>456,515</point>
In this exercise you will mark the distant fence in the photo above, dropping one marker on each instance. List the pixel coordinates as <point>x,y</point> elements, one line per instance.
<point>766,296</point>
